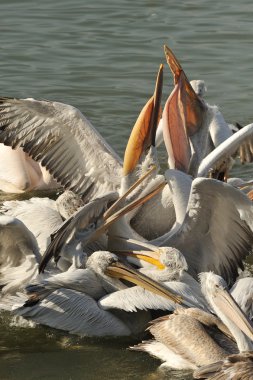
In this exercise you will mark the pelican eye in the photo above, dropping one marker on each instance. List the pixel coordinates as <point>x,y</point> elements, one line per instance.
<point>113,260</point>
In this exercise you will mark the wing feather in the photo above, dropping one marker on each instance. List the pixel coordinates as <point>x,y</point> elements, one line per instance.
<point>63,140</point>
<point>242,292</point>
<point>216,234</point>
<point>224,150</point>
<point>74,312</point>
<point>82,280</point>
<point>137,298</point>
<point>186,337</point>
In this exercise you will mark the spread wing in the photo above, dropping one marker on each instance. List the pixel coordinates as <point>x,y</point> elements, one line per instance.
<point>226,149</point>
<point>216,234</point>
<point>64,141</point>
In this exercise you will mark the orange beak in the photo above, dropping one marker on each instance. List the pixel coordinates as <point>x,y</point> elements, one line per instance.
<point>144,130</point>
<point>183,116</point>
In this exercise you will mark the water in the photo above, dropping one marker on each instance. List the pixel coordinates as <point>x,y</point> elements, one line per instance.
<point>102,57</point>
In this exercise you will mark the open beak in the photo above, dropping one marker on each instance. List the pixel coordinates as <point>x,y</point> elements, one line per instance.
<point>121,271</point>
<point>173,63</point>
<point>231,310</point>
<point>175,131</point>
<point>183,115</point>
<point>193,107</point>
<point>144,130</point>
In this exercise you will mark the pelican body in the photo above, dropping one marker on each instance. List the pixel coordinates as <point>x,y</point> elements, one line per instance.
<point>181,341</point>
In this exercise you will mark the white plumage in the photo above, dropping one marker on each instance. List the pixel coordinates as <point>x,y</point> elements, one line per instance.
<point>19,255</point>
<point>213,227</point>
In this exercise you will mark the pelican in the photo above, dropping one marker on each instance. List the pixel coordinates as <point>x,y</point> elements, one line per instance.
<point>77,312</point>
<point>199,87</point>
<point>182,342</point>
<point>200,127</point>
<point>209,214</point>
<point>85,280</point>
<point>172,273</point>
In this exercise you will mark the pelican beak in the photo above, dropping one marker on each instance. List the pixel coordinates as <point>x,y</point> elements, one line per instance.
<point>185,101</point>
<point>116,205</point>
<point>174,130</point>
<point>150,257</point>
<point>231,310</point>
<point>117,215</point>
<point>144,130</point>
<point>173,63</point>
<point>121,271</point>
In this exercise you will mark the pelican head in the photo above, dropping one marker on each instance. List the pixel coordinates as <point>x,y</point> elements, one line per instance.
<point>68,203</point>
<point>167,259</point>
<point>99,261</point>
<point>199,87</point>
<point>216,292</point>
<point>108,266</point>
<point>211,284</point>
<point>173,259</point>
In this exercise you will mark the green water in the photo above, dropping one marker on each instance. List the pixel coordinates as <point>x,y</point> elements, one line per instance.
<point>102,57</point>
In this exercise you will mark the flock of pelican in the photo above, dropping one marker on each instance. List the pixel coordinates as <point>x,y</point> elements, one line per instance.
<point>124,243</point>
